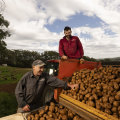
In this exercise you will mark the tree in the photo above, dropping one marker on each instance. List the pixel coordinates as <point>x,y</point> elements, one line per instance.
<point>49,55</point>
<point>3,34</point>
<point>89,59</point>
<point>3,28</point>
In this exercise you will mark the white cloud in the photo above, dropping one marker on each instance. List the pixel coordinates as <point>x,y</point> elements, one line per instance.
<point>100,45</point>
<point>29,17</point>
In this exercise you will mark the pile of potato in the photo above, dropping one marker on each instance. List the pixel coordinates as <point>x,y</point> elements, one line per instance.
<point>54,112</point>
<point>99,88</point>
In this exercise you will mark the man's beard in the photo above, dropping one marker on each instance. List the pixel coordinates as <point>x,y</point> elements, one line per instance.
<point>68,36</point>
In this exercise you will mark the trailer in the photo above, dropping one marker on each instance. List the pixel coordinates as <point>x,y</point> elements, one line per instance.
<point>66,69</point>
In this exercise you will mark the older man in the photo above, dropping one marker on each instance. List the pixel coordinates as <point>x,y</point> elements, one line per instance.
<point>30,88</point>
<point>70,46</point>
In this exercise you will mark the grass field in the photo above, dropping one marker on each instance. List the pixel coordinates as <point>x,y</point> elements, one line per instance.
<point>9,76</point>
<point>8,104</point>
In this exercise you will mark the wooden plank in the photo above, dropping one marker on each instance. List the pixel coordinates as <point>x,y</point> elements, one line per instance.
<point>83,113</point>
<point>90,109</point>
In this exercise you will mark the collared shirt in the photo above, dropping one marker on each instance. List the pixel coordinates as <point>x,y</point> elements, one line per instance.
<point>30,88</point>
<point>71,48</point>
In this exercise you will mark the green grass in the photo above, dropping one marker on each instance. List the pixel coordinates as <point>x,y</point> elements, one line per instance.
<point>8,75</point>
<point>8,104</point>
<point>11,74</point>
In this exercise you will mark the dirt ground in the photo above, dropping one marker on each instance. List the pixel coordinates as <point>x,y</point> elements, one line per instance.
<point>9,88</point>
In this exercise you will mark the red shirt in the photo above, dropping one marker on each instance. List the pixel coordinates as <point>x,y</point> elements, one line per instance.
<point>71,48</point>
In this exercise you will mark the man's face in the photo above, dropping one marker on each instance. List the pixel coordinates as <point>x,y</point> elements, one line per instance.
<point>67,33</point>
<point>37,70</point>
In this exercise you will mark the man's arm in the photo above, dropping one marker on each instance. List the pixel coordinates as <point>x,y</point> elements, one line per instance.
<point>55,82</point>
<point>61,51</point>
<point>19,93</point>
<point>80,47</point>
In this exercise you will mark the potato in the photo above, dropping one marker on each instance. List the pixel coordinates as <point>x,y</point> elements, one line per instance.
<point>41,112</point>
<point>29,118</point>
<point>52,104</point>
<point>111,99</point>
<point>117,97</point>
<point>52,108</point>
<point>70,115</point>
<point>63,111</point>
<point>42,118</point>
<point>108,111</point>
<point>46,108</point>
<point>76,118</point>
<point>116,103</point>
<point>114,109</point>
<point>64,117</point>
<point>91,103</point>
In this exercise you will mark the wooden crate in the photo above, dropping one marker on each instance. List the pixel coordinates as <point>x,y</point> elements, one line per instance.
<point>84,110</point>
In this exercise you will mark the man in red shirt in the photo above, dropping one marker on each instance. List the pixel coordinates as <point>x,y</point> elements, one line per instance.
<point>70,46</point>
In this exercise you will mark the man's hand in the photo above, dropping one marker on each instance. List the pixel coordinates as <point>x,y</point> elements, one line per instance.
<point>82,61</point>
<point>26,108</point>
<point>64,57</point>
<point>73,86</point>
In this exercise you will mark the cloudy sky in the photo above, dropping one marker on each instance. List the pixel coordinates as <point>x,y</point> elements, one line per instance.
<point>37,25</point>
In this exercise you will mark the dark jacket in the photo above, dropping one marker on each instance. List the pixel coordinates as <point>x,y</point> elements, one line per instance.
<point>30,88</point>
<point>71,48</point>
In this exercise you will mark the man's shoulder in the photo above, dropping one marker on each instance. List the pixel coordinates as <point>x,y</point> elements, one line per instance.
<point>62,39</point>
<point>29,73</point>
<point>24,77</point>
<point>74,37</point>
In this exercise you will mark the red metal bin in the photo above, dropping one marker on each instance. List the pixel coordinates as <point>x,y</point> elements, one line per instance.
<point>68,67</point>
